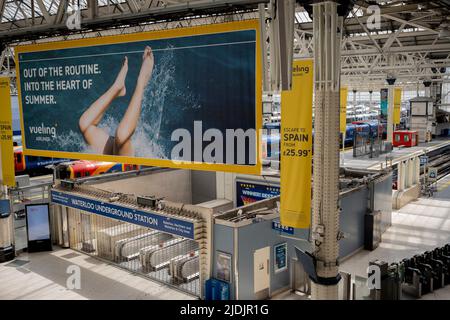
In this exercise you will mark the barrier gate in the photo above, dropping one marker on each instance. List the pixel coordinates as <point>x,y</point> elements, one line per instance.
<point>168,245</point>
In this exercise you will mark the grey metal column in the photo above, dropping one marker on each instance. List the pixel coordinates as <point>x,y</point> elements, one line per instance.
<point>390,117</point>
<point>325,222</point>
<point>7,251</point>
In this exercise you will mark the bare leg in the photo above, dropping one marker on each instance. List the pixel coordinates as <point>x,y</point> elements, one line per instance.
<point>130,120</point>
<point>126,149</point>
<point>89,120</point>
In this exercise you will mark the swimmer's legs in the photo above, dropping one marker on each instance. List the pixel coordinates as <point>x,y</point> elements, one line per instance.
<point>130,120</point>
<point>89,120</point>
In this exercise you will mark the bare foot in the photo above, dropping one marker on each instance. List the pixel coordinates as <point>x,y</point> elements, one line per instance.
<point>119,84</point>
<point>147,67</point>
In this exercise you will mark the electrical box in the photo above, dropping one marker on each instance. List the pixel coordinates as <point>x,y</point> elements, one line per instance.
<point>22,181</point>
<point>422,117</point>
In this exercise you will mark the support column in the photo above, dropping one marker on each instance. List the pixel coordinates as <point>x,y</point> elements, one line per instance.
<point>354,103</point>
<point>427,85</point>
<point>390,118</point>
<point>417,168</point>
<point>411,172</point>
<point>325,222</point>
<point>370,101</point>
<point>224,185</point>
<point>400,176</point>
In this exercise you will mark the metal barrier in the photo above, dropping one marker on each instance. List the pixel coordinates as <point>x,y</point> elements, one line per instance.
<point>366,145</point>
<point>415,276</point>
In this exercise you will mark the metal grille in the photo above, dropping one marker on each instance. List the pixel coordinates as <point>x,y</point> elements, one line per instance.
<point>160,256</point>
<point>365,144</point>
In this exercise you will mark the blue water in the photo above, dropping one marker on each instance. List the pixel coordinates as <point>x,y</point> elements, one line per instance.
<point>212,83</point>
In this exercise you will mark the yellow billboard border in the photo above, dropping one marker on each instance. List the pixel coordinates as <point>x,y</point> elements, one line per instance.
<point>155,35</point>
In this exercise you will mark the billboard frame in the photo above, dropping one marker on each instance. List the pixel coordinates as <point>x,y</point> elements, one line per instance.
<point>254,169</point>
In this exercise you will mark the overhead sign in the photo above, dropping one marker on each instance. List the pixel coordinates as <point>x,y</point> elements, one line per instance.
<point>185,98</point>
<point>146,219</point>
<point>343,110</point>
<point>296,147</point>
<point>432,173</point>
<point>7,174</point>
<point>249,192</point>
<point>397,105</point>
<point>384,103</point>
<point>423,160</point>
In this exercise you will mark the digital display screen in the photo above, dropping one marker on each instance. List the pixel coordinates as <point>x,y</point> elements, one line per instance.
<point>4,207</point>
<point>38,222</point>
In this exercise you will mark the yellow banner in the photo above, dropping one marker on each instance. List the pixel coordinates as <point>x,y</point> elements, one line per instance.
<point>6,135</point>
<point>397,104</point>
<point>296,147</point>
<point>343,108</point>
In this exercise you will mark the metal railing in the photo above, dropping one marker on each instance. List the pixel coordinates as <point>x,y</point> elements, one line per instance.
<point>157,255</point>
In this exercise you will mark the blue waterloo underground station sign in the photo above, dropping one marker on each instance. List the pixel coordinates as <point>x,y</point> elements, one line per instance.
<point>146,219</point>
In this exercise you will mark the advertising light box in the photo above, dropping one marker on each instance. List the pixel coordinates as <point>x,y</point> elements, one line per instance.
<point>38,227</point>
<point>184,98</point>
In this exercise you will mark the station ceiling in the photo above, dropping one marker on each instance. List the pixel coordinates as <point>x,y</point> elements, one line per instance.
<point>411,42</point>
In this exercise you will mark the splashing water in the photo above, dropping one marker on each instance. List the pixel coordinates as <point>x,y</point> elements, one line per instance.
<point>71,141</point>
<point>146,140</point>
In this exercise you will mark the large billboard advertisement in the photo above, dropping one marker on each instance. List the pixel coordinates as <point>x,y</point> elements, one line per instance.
<point>186,98</point>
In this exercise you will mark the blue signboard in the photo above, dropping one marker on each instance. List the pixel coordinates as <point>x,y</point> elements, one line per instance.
<point>384,103</point>
<point>280,253</point>
<point>248,192</point>
<point>276,225</point>
<point>146,219</point>
<point>5,208</point>
<point>423,160</point>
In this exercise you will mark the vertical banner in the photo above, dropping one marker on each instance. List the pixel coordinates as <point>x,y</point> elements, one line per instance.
<point>384,103</point>
<point>397,104</point>
<point>6,135</point>
<point>296,147</point>
<point>343,109</point>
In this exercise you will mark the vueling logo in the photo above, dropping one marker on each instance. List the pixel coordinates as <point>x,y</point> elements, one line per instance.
<point>300,70</point>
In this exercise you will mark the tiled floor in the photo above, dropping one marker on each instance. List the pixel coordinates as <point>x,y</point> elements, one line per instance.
<point>419,226</point>
<point>45,277</point>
